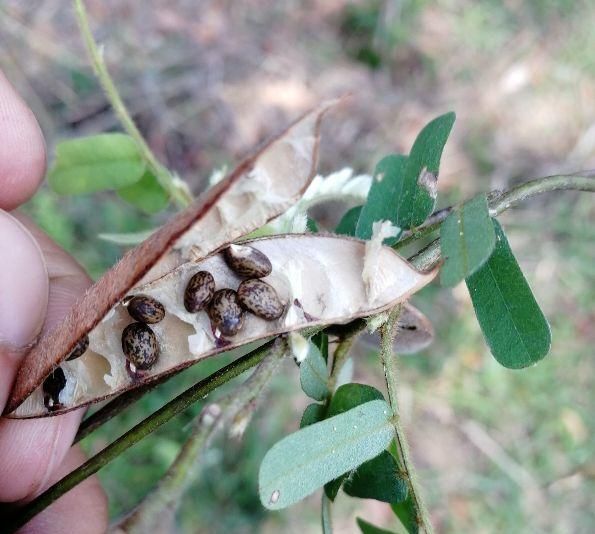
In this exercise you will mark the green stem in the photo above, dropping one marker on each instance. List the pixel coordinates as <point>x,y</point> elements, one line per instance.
<point>339,358</point>
<point>135,434</point>
<point>174,186</point>
<point>157,511</point>
<point>499,202</point>
<point>388,332</point>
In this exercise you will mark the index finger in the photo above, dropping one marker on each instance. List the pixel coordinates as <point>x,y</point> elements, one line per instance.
<point>22,149</point>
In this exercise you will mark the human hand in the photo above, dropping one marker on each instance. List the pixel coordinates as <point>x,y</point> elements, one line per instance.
<point>39,282</point>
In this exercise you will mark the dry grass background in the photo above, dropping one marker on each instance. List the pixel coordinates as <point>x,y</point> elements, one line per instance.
<point>499,451</point>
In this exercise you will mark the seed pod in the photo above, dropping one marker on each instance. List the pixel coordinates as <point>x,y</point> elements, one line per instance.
<point>199,291</point>
<point>146,309</point>
<point>79,349</point>
<point>247,261</point>
<point>261,299</point>
<point>225,312</point>
<point>52,386</point>
<point>140,345</point>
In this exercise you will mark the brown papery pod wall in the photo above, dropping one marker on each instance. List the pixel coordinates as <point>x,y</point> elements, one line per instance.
<point>265,185</point>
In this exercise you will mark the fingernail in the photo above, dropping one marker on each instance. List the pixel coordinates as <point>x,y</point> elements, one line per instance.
<point>23,284</point>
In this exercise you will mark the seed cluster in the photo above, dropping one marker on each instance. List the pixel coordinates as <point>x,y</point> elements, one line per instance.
<point>227,308</point>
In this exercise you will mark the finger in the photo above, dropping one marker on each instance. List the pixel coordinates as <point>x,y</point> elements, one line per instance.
<point>83,509</point>
<point>36,447</point>
<point>23,296</point>
<point>22,149</point>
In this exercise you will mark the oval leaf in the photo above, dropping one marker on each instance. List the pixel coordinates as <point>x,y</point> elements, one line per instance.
<point>312,414</point>
<point>314,374</point>
<point>418,196</point>
<point>378,479</point>
<point>467,239</point>
<point>368,528</point>
<point>302,462</point>
<point>387,186</point>
<point>512,323</point>
<point>146,194</point>
<point>96,163</point>
<point>347,225</point>
<point>349,396</point>
<point>407,514</point>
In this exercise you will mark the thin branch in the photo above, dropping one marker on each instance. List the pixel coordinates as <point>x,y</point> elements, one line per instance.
<point>174,186</point>
<point>387,337</point>
<point>157,510</point>
<point>135,434</point>
<point>499,201</point>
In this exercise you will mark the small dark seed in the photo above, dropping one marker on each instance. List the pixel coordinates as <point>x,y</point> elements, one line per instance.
<point>261,299</point>
<point>247,261</point>
<point>145,309</point>
<point>225,312</point>
<point>79,349</point>
<point>199,291</point>
<point>140,346</point>
<point>52,386</point>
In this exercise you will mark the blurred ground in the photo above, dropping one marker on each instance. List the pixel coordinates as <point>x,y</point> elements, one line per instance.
<point>497,450</point>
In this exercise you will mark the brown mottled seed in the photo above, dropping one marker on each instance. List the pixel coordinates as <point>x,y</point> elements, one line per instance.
<point>261,299</point>
<point>225,312</point>
<point>140,345</point>
<point>145,309</point>
<point>52,386</point>
<point>199,291</point>
<point>79,349</point>
<point>247,261</point>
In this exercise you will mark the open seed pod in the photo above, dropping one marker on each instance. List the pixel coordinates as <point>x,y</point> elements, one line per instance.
<point>262,187</point>
<point>316,278</point>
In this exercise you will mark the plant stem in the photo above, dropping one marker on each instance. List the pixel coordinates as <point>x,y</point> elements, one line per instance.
<point>339,358</point>
<point>499,201</point>
<point>135,434</point>
<point>174,186</point>
<point>157,511</point>
<point>387,337</point>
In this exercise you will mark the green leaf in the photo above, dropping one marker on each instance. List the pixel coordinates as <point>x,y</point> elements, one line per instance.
<point>146,194</point>
<point>417,198</point>
<point>378,479</point>
<point>96,163</point>
<point>514,327</point>
<point>383,197</point>
<point>312,225</point>
<point>467,239</point>
<point>312,414</point>
<point>349,396</point>
<point>407,515</point>
<point>304,461</point>
<point>321,341</point>
<point>314,375</point>
<point>368,528</point>
<point>348,223</point>
<point>331,489</point>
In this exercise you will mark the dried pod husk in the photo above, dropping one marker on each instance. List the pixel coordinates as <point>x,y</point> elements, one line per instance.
<point>145,309</point>
<point>261,299</point>
<point>225,312</point>
<point>319,277</point>
<point>52,387</point>
<point>140,346</point>
<point>79,349</point>
<point>247,261</point>
<point>199,291</point>
<point>263,186</point>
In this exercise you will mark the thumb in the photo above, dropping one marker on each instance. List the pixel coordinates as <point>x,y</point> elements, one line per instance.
<point>24,288</point>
